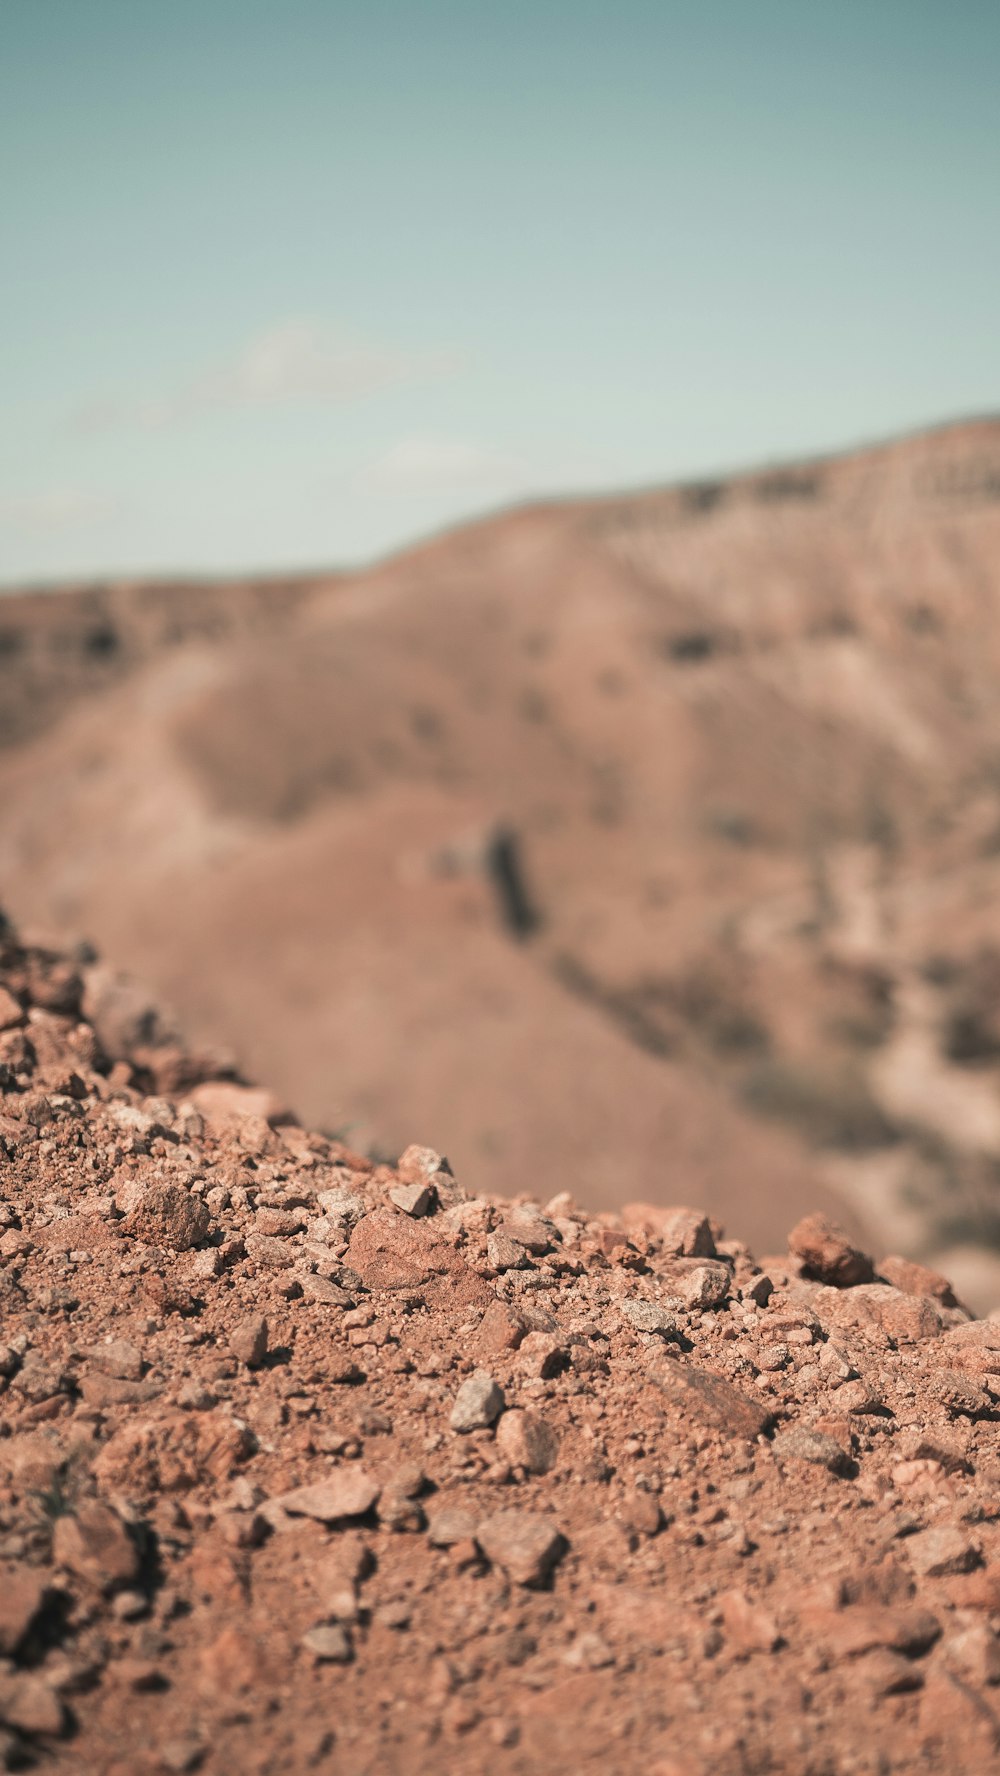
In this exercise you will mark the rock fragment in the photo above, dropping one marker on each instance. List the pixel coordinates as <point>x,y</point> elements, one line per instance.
<point>348,1493</point>
<point>523,1544</point>
<point>527,1441</point>
<point>168,1215</point>
<point>826,1253</point>
<point>94,1544</point>
<point>478,1403</point>
<point>248,1340</point>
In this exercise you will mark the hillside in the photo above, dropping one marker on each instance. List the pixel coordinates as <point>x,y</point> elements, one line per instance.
<point>313,1464</point>
<point>593,843</point>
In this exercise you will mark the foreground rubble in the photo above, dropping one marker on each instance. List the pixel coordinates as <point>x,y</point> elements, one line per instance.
<point>312,1464</point>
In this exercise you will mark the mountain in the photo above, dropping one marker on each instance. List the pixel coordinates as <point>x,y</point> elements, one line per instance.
<point>594,843</point>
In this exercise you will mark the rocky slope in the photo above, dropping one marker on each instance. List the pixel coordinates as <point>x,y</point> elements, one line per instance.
<point>308,1463</point>
<point>590,841</point>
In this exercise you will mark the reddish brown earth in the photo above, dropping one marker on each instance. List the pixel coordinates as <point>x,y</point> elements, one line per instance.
<point>313,1464</point>
<point>746,739</point>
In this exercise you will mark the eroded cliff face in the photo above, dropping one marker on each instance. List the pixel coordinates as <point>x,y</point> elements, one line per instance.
<point>740,739</point>
<point>312,1463</point>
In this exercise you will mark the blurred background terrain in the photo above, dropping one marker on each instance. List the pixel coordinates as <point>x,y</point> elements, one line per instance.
<point>640,844</point>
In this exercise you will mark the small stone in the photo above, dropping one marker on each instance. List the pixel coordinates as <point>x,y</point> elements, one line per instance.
<point>711,1400</point>
<point>94,1544</point>
<point>117,1358</point>
<point>526,1441</point>
<point>827,1254</point>
<point>421,1165</point>
<point>917,1279</point>
<point>449,1526</point>
<point>30,1704</point>
<point>348,1493</point>
<point>478,1403</point>
<point>759,1290</point>
<point>329,1643</point>
<point>646,1316</point>
<point>639,1512</point>
<point>413,1199</point>
<point>800,1444</point>
<point>941,1550</point>
<point>523,1544</point>
<point>974,1653</point>
<point>505,1253</point>
<point>501,1328</point>
<point>706,1287</point>
<point>323,1289</point>
<point>168,1215</point>
<point>248,1340</point>
<point>22,1594</point>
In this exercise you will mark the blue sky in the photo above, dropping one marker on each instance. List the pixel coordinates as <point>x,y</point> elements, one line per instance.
<point>291,283</point>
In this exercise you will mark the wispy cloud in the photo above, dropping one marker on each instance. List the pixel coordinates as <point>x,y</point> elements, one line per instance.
<point>56,508</point>
<point>296,360</point>
<point>434,465</point>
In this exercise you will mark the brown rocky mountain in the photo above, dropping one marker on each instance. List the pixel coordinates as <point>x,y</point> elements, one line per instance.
<point>595,843</point>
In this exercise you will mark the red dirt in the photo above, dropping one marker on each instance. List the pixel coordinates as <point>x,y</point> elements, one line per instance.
<point>312,1464</point>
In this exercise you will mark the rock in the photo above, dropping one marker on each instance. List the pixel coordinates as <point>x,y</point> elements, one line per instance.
<point>94,1544</point>
<point>815,1447</point>
<point>29,1703</point>
<point>421,1165</point>
<point>706,1287</point>
<point>526,1441</point>
<point>709,1399</point>
<point>322,1289</point>
<point>973,1652</point>
<point>390,1250</point>
<point>647,1316</point>
<point>168,1215</point>
<point>478,1403</point>
<point>413,1199</point>
<point>117,1358</point>
<point>904,1318</point>
<point>917,1279</point>
<point>501,1328</point>
<point>248,1340</point>
<point>827,1254</point>
<point>22,1595</point>
<point>941,1550</point>
<point>329,1644</point>
<point>348,1493</point>
<point>503,1252</point>
<point>685,1233</point>
<point>449,1526</point>
<point>523,1544</point>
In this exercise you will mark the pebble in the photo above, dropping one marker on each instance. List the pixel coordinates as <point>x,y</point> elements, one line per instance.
<point>248,1340</point>
<point>478,1403</point>
<point>524,1544</point>
<point>329,1643</point>
<point>527,1441</point>
<point>827,1254</point>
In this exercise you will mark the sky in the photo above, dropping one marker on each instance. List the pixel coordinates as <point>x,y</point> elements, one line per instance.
<point>288,283</point>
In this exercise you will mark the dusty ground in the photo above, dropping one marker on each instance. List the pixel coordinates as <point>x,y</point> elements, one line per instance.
<point>310,1464</point>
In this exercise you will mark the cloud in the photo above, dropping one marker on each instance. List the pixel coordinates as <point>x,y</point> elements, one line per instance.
<point>436,465</point>
<point>56,508</point>
<point>296,360</point>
